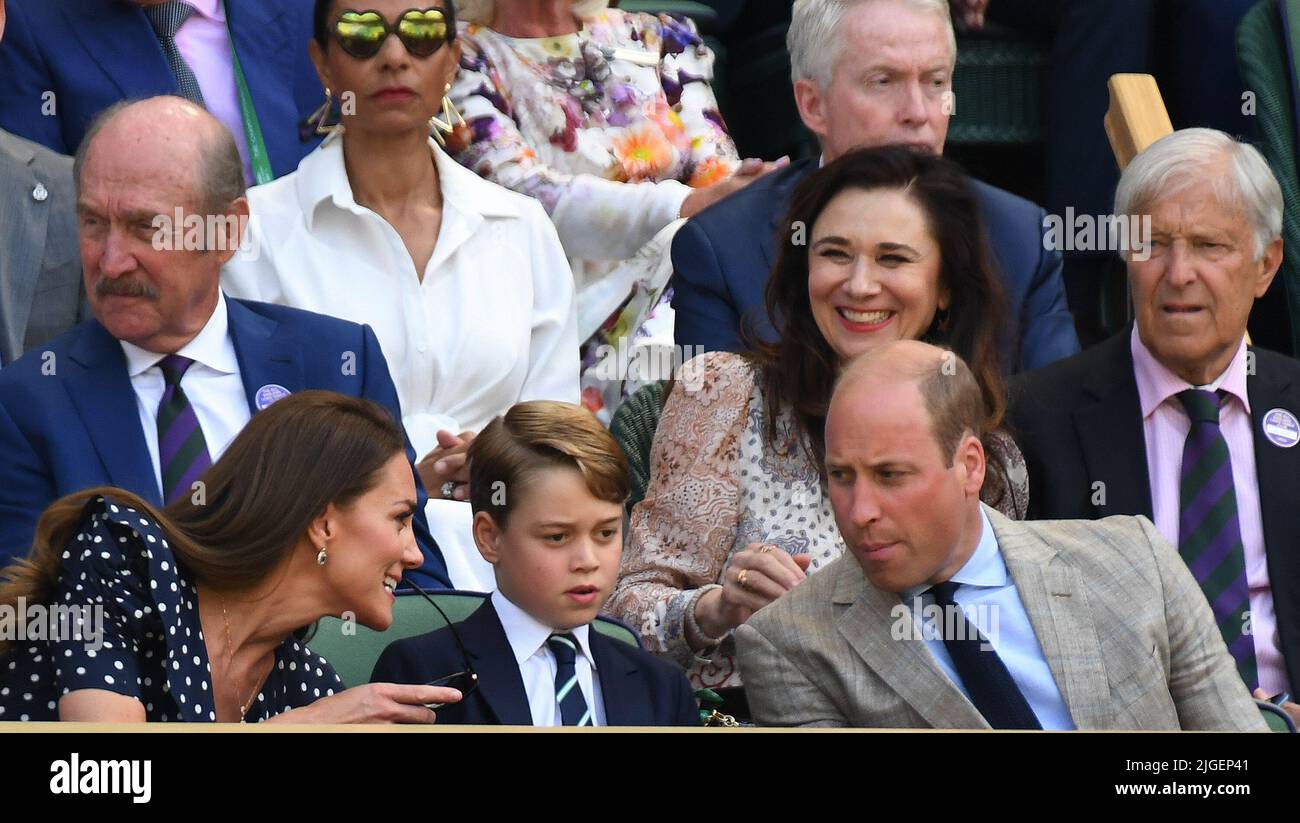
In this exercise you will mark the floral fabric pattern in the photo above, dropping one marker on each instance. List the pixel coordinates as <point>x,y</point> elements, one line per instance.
<point>609,128</point>
<point>625,100</point>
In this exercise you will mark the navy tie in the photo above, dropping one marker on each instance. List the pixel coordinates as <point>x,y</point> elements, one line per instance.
<point>573,706</point>
<point>982,672</point>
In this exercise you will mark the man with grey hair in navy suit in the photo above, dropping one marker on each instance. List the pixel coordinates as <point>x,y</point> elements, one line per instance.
<point>866,73</point>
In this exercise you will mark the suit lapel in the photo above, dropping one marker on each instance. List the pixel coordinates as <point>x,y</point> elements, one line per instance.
<point>906,666</point>
<point>119,38</point>
<point>499,682</point>
<point>100,389</point>
<point>1279,499</point>
<point>627,703</point>
<point>1056,602</point>
<point>25,220</point>
<point>1110,432</point>
<point>263,359</point>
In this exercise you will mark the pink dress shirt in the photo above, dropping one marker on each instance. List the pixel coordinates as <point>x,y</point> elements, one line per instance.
<point>1165,426</point>
<point>204,42</point>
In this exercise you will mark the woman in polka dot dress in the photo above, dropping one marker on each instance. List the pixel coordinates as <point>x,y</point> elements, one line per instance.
<point>192,612</point>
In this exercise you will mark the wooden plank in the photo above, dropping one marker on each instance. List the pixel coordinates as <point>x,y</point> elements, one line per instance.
<point>1137,116</point>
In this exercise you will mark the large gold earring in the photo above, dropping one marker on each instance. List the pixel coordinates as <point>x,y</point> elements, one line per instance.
<point>447,126</point>
<point>322,114</point>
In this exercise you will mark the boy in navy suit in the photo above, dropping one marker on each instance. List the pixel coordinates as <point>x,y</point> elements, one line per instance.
<point>547,486</point>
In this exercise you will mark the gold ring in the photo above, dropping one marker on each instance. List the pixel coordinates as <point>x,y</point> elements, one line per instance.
<point>740,578</point>
<point>765,549</point>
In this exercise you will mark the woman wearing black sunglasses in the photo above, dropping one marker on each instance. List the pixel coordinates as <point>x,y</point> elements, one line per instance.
<point>190,613</point>
<point>464,282</point>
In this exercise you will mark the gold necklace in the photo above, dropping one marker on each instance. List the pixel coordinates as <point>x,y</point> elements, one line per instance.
<point>230,664</point>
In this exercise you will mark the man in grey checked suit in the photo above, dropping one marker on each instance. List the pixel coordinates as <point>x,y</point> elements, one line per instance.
<point>40,267</point>
<point>944,614</point>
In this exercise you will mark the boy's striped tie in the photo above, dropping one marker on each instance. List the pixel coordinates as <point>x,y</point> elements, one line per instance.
<point>573,706</point>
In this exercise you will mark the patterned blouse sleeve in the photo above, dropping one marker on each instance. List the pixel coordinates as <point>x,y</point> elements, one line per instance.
<point>682,533</point>
<point>686,71</point>
<point>596,219</point>
<point>1006,476</point>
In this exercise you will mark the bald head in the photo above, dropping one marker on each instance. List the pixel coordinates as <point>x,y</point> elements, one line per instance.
<point>171,139</point>
<point>160,208</point>
<point>947,388</point>
<point>904,463</point>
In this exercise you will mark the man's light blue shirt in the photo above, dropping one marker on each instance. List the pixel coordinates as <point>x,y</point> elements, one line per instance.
<point>989,599</point>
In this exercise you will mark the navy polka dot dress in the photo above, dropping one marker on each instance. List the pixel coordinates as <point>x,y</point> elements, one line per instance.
<point>124,617</point>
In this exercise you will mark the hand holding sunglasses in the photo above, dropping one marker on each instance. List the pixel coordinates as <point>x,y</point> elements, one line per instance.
<point>422,31</point>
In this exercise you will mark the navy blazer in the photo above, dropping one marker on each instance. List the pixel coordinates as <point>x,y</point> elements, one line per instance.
<point>722,257</point>
<point>69,420</point>
<point>93,53</point>
<point>1079,424</point>
<point>638,689</point>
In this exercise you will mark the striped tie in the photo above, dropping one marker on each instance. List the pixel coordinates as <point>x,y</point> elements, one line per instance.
<point>1209,535</point>
<point>573,706</point>
<point>167,19</point>
<point>182,451</point>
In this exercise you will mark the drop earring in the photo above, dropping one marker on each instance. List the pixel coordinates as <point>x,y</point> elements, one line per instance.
<point>452,116</point>
<point>321,557</point>
<point>316,121</point>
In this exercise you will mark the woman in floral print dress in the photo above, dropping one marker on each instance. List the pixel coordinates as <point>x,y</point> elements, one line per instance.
<point>607,118</point>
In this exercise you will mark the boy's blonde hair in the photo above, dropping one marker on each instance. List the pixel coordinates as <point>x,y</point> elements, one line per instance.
<point>537,435</point>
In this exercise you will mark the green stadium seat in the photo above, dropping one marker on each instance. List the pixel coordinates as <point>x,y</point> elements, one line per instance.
<point>353,649</point>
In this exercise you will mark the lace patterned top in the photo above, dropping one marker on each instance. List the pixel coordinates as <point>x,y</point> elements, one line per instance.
<point>717,485</point>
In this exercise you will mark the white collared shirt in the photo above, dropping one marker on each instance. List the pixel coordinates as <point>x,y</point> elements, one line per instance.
<point>491,322</point>
<point>212,384</point>
<point>537,664</point>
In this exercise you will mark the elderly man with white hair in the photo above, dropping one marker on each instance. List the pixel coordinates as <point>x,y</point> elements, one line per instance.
<point>1179,418</point>
<point>866,73</point>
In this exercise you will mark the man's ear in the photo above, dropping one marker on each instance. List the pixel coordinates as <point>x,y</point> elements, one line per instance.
<point>811,101</point>
<point>970,458</point>
<point>487,536</point>
<point>233,226</point>
<point>1269,264</point>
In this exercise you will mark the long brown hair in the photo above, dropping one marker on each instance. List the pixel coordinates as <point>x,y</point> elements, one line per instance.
<point>288,464</point>
<point>799,369</point>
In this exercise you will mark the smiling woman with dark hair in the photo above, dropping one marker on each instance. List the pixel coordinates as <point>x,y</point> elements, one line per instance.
<point>882,244</point>
<point>194,608</point>
<point>463,281</point>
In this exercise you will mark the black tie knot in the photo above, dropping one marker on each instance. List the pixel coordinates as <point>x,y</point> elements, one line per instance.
<point>1201,406</point>
<point>943,592</point>
<point>564,647</point>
